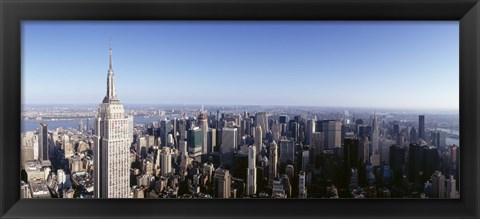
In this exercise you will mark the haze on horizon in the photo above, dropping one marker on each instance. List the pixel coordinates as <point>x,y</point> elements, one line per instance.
<point>401,65</point>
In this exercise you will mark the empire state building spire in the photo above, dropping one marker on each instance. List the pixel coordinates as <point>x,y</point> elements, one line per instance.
<point>111,92</point>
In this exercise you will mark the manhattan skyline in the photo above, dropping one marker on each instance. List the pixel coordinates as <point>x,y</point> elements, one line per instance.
<point>353,64</point>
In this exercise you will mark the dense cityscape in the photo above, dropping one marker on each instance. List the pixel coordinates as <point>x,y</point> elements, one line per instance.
<point>236,151</point>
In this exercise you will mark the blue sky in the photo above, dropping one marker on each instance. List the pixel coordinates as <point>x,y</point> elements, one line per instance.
<point>354,64</point>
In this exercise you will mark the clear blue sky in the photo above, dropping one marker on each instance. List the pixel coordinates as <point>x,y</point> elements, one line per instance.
<point>356,64</point>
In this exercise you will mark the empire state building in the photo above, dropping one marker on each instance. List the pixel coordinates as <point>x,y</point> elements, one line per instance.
<point>111,152</point>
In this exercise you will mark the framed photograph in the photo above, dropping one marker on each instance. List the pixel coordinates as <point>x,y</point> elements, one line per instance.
<point>239,109</point>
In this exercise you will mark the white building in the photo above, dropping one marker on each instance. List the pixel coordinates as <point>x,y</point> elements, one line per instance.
<point>261,119</point>
<point>112,149</point>
<point>166,161</point>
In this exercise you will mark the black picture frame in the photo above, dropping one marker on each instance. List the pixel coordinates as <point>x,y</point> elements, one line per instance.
<point>12,12</point>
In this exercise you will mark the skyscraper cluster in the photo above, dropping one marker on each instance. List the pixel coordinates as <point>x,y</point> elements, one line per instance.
<point>228,153</point>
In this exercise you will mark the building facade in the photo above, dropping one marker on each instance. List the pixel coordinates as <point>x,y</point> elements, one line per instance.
<point>112,149</point>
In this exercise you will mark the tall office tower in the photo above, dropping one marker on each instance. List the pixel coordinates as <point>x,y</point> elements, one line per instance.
<point>287,151</point>
<point>222,183</point>
<point>302,190</point>
<point>375,136</point>
<point>317,142</point>
<point>332,134</point>
<point>174,131</point>
<point>413,136</point>
<point>438,185</point>
<point>416,168</point>
<point>309,131</point>
<point>397,161</point>
<point>112,149</point>
<point>165,129</point>
<point>43,146</point>
<point>276,130</point>
<point>351,154</point>
<point>181,129</point>
<point>258,138</point>
<point>451,191</point>
<point>272,163</point>
<point>166,161</point>
<point>203,124</point>
<point>194,142</point>
<point>399,140</point>
<point>211,140</point>
<point>282,119</point>
<point>364,150</point>
<point>396,128</point>
<point>261,119</point>
<point>251,172</point>
<point>229,144</point>
<point>431,160</point>
<point>421,127</point>
<point>305,159</point>
<point>295,130</point>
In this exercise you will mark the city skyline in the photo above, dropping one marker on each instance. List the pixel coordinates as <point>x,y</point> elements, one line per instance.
<point>216,74</point>
<point>330,156</point>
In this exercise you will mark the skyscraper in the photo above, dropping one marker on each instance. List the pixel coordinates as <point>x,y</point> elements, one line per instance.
<point>258,138</point>
<point>229,144</point>
<point>451,191</point>
<point>203,124</point>
<point>194,139</point>
<point>421,127</point>
<point>43,147</point>
<point>166,161</point>
<point>438,185</point>
<point>112,149</point>
<point>261,119</point>
<point>332,133</point>
<point>287,152</point>
<point>251,172</point>
<point>272,163</point>
<point>222,183</point>
<point>309,131</point>
<point>211,140</point>
<point>413,136</point>
<point>317,142</point>
<point>375,136</point>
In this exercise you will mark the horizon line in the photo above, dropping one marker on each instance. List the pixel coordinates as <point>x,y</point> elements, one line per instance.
<point>255,105</point>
